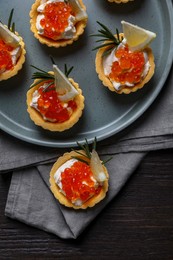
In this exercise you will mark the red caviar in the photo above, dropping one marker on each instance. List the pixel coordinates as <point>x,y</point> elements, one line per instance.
<point>52,108</point>
<point>55,19</point>
<point>5,57</point>
<point>129,66</point>
<point>77,182</point>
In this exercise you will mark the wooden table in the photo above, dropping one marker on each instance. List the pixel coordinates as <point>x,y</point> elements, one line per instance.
<point>137,224</point>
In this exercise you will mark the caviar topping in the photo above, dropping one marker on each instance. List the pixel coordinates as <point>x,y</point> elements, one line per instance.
<point>78,182</point>
<point>128,66</point>
<point>55,19</point>
<point>50,106</point>
<point>5,56</point>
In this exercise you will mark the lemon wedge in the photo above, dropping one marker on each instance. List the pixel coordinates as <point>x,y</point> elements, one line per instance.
<point>80,12</point>
<point>63,86</point>
<point>97,167</point>
<point>137,37</point>
<point>9,37</point>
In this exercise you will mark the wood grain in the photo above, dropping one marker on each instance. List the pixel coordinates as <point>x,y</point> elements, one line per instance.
<point>138,224</point>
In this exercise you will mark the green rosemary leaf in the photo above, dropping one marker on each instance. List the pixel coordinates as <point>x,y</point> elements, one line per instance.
<point>107,37</point>
<point>87,150</point>
<point>36,83</point>
<point>79,159</point>
<point>39,69</point>
<point>81,146</point>
<point>79,153</point>
<point>42,76</point>
<point>48,85</point>
<point>10,19</point>
<point>107,160</point>
<point>107,34</point>
<point>52,59</point>
<point>101,40</point>
<point>67,71</point>
<point>13,28</point>
<point>38,75</point>
<point>107,52</point>
<point>103,45</point>
<point>105,30</point>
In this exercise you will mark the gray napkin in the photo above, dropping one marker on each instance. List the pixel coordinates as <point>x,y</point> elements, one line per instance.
<point>30,199</point>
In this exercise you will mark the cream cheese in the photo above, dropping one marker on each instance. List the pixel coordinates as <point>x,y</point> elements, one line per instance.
<point>69,31</point>
<point>108,61</point>
<point>15,54</point>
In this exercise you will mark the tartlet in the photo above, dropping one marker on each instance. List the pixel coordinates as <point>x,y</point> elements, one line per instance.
<point>117,68</point>
<point>51,110</point>
<point>78,23</point>
<point>75,184</point>
<point>12,51</point>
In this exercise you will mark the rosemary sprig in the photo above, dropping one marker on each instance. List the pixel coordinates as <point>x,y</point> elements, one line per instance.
<point>66,70</point>
<point>107,37</point>
<point>85,147</point>
<point>42,76</point>
<point>11,27</point>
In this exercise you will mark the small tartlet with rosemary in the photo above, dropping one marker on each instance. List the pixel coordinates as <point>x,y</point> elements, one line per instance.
<point>79,179</point>
<point>54,101</point>
<point>12,50</point>
<point>58,23</point>
<point>124,64</point>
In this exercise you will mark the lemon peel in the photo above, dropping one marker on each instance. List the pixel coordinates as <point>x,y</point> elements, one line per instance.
<point>65,89</point>
<point>97,167</point>
<point>137,37</point>
<point>9,37</point>
<point>80,12</point>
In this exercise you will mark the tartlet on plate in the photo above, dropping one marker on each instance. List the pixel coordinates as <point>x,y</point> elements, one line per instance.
<point>120,67</point>
<point>59,31</point>
<point>78,181</point>
<point>54,107</point>
<point>12,51</point>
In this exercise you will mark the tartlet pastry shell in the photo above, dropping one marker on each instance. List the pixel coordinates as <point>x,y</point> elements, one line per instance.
<point>126,90</point>
<point>58,127</point>
<point>61,198</point>
<point>49,42</point>
<point>10,73</point>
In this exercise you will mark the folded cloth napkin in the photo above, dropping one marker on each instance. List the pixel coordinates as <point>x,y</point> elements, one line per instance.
<point>30,199</point>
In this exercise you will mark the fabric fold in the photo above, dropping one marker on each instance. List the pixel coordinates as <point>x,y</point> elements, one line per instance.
<point>31,201</point>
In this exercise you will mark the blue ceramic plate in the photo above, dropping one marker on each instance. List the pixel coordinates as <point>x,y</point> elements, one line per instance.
<point>105,113</point>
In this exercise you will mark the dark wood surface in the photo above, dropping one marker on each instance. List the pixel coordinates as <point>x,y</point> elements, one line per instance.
<point>137,224</point>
